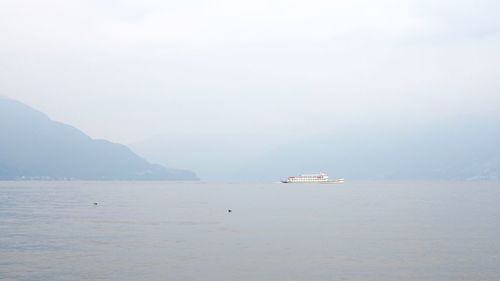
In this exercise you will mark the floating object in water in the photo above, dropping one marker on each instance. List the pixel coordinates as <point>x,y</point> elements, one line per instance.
<point>229,210</point>
<point>95,204</point>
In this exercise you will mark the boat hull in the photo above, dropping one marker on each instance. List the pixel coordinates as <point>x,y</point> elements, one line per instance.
<point>318,182</point>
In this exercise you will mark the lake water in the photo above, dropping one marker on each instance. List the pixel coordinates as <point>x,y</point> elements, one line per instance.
<point>183,231</point>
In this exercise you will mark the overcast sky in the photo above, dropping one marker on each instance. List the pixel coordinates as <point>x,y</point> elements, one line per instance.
<point>262,69</point>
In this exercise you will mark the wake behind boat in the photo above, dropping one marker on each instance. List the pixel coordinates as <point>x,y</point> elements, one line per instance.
<point>311,178</point>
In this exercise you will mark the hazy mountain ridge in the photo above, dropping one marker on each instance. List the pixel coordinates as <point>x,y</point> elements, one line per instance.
<point>457,149</point>
<point>213,159</point>
<point>33,146</point>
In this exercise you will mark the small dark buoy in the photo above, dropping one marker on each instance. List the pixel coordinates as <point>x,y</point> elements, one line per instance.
<point>229,211</point>
<point>95,204</point>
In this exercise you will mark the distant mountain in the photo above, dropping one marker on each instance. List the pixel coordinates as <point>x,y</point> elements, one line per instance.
<point>34,147</point>
<point>462,149</point>
<point>213,159</point>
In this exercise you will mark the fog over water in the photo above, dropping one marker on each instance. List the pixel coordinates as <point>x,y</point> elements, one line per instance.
<point>244,93</point>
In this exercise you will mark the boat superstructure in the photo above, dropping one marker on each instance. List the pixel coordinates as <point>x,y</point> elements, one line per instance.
<point>311,178</point>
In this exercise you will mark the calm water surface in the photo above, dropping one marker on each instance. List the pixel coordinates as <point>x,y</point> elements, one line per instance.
<point>183,231</point>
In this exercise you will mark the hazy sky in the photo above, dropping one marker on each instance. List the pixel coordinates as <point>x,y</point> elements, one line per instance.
<point>258,70</point>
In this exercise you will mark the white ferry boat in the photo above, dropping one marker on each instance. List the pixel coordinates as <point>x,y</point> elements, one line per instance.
<point>311,178</point>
